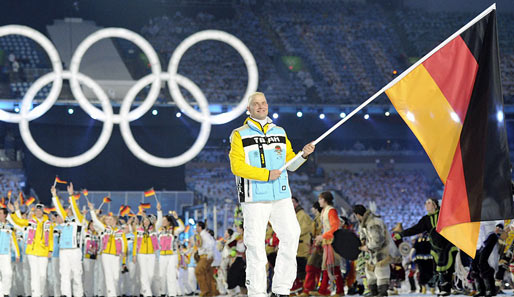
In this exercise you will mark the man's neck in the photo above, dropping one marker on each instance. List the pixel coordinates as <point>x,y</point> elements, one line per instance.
<point>262,122</point>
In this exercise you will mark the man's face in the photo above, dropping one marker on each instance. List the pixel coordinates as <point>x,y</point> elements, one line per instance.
<point>3,216</point>
<point>38,212</point>
<point>258,108</point>
<point>321,202</point>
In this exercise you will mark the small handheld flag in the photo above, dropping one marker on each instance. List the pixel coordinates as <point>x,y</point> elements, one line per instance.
<point>59,181</point>
<point>106,199</point>
<point>20,197</point>
<point>150,192</point>
<point>125,211</point>
<point>29,201</point>
<point>85,192</point>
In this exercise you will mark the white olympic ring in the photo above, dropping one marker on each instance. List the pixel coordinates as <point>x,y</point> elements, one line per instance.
<point>126,115</point>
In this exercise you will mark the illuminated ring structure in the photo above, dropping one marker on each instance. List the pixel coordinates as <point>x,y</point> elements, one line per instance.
<point>126,115</point>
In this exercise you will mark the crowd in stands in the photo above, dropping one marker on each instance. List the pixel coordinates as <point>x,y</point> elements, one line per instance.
<point>398,194</point>
<point>346,54</point>
<point>11,180</point>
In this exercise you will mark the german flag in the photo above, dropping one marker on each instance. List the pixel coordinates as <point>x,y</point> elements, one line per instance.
<point>85,192</point>
<point>60,181</point>
<point>20,197</point>
<point>452,101</point>
<point>125,211</point>
<point>76,196</point>
<point>145,205</point>
<point>9,194</point>
<point>107,199</point>
<point>149,192</point>
<point>30,201</point>
<point>48,210</point>
<point>2,203</point>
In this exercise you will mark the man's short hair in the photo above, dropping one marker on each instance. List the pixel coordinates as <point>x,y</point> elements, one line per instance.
<point>295,199</point>
<point>201,224</point>
<point>253,95</point>
<point>359,209</point>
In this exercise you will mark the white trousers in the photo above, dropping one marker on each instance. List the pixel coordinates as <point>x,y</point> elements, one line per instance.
<point>70,267</point>
<point>38,266</point>
<point>129,280</point>
<point>182,282</point>
<point>111,270</point>
<point>168,273</point>
<point>281,215</point>
<point>146,263</point>
<point>191,279</point>
<point>99,278</point>
<point>53,287</point>
<point>6,273</point>
<point>89,276</point>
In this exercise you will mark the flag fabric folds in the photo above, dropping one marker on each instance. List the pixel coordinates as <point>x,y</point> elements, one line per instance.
<point>453,103</point>
<point>60,181</point>
<point>107,199</point>
<point>145,205</point>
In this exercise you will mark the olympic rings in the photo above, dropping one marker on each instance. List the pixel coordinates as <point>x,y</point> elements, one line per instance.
<point>126,115</point>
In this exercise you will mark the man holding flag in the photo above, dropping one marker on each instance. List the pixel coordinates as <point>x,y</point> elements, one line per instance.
<point>259,149</point>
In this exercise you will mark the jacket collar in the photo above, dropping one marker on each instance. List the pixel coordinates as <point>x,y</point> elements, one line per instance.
<point>257,126</point>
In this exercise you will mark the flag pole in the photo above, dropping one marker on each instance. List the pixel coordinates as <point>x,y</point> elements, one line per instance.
<point>156,200</point>
<point>394,81</point>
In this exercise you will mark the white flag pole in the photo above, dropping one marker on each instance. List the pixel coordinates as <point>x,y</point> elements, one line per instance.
<point>394,81</point>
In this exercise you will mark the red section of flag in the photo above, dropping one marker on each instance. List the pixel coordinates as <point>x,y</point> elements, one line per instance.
<point>455,189</point>
<point>454,69</point>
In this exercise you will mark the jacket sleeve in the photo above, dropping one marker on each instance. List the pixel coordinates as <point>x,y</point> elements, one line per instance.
<point>290,155</point>
<point>306,224</point>
<point>180,228</point>
<point>19,221</point>
<point>158,224</point>
<point>51,239</point>
<point>134,243</point>
<point>76,210</point>
<point>238,164</point>
<point>334,224</point>
<point>15,245</point>
<point>98,225</point>
<point>58,207</point>
<point>420,227</point>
